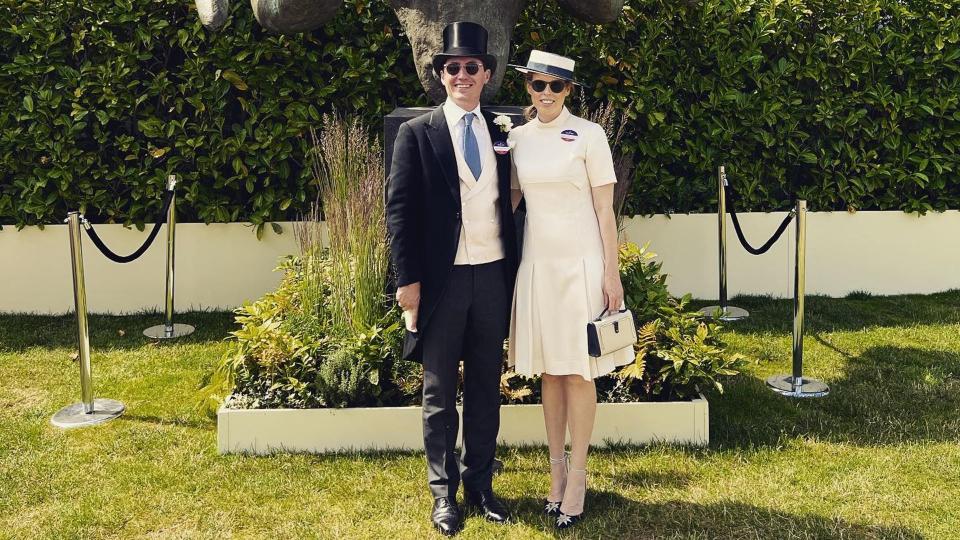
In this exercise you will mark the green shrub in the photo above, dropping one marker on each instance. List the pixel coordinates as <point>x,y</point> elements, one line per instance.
<point>644,286</point>
<point>284,358</point>
<point>279,361</point>
<point>679,355</point>
<point>102,99</point>
<point>851,104</point>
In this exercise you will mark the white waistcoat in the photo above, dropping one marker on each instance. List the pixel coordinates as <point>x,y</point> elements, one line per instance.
<point>480,225</point>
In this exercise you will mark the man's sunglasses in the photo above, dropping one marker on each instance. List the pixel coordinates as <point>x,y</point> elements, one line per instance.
<point>454,67</point>
<point>555,86</point>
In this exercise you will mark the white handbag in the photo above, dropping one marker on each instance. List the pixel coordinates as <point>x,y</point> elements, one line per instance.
<point>611,333</point>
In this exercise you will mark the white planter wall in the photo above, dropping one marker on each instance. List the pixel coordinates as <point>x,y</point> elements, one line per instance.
<point>221,265</point>
<point>266,431</point>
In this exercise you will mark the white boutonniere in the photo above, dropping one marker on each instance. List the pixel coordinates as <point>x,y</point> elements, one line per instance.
<point>504,122</point>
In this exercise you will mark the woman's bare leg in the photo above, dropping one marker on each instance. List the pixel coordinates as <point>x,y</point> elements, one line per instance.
<point>581,396</point>
<point>553,390</point>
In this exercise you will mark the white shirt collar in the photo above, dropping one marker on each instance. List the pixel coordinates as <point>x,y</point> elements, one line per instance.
<point>454,113</point>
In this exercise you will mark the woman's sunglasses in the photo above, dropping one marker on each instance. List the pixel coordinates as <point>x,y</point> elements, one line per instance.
<point>454,67</point>
<point>555,86</point>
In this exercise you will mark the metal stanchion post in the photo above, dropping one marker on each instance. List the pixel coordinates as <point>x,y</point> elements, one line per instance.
<point>723,312</point>
<point>796,385</point>
<point>89,411</point>
<point>168,329</point>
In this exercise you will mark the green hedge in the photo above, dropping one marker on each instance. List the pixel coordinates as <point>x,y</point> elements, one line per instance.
<point>849,104</point>
<point>102,99</point>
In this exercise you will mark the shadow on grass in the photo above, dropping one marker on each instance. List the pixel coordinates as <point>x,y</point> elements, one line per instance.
<point>888,395</point>
<point>855,312</point>
<point>613,516</point>
<point>21,332</point>
<point>194,422</point>
<point>644,479</point>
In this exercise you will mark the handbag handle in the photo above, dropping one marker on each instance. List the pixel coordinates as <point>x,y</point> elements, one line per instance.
<point>599,317</point>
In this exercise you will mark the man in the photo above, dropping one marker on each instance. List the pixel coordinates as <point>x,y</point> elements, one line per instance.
<point>453,245</point>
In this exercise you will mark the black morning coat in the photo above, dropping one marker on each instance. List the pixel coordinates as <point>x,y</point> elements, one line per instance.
<point>423,213</point>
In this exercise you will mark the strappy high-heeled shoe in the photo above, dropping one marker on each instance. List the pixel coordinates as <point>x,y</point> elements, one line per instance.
<point>552,508</point>
<point>565,521</point>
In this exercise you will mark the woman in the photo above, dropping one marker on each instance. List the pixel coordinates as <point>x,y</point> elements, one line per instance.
<point>568,271</point>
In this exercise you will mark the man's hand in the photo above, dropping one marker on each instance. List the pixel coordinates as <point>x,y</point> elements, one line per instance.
<point>408,296</point>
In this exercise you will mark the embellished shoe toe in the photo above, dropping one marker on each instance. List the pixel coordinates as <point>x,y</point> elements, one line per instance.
<point>565,522</point>
<point>551,508</point>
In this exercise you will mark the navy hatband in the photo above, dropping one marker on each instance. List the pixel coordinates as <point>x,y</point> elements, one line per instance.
<point>550,70</point>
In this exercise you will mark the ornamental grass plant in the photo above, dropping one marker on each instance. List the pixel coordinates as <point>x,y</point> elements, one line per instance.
<point>348,167</point>
<point>329,336</point>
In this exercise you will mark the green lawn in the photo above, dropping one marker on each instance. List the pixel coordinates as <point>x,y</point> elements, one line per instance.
<point>879,458</point>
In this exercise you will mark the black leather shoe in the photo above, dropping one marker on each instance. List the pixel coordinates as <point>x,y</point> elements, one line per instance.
<point>492,508</point>
<point>446,515</point>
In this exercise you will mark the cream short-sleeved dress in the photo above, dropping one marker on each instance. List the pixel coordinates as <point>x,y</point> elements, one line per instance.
<point>560,280</point>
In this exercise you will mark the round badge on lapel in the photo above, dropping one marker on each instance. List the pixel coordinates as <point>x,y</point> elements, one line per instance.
<point>569,135</point>
<point>501,147</point>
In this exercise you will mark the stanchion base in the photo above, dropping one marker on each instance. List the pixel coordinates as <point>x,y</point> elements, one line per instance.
<point>808,388</point>
<point>162,331</point>
<point>730,314</point>
<point>73,416</point>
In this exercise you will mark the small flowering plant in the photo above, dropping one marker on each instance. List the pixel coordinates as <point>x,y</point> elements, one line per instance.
<point>504,122</point>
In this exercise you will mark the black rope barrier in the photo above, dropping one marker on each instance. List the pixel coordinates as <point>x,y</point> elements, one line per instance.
<point>108,253</point>
<point>743,239</point>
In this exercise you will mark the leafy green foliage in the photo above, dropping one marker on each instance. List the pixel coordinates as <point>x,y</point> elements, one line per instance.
<point>289,353</point>
<point>850,105</point>
<point>679,354</point>
<point>103,99</point>
<point>284,356</point>
<point>644,287</point>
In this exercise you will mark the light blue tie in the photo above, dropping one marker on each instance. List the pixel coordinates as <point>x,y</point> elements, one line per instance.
<point>471,152</point>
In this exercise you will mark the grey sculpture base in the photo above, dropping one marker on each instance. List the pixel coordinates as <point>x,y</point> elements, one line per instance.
<point>73,416</point>
<point>162,331</point>
<point>808,388</point>
<point>731,313</point>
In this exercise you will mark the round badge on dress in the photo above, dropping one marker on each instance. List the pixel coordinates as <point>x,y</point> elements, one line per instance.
<point>501,147</point>
<point>569,135</point>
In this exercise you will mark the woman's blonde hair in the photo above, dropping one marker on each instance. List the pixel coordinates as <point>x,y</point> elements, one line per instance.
<point>530,112</point>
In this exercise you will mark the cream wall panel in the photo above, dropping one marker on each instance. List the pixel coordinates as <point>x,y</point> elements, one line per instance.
<point>878,252</point>
<point>220,266</point>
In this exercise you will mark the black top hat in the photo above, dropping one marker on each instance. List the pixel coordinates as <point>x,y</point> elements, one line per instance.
<point>464,39</point>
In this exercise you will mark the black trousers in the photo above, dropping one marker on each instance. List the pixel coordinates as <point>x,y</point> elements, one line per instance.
<point>470,323</point>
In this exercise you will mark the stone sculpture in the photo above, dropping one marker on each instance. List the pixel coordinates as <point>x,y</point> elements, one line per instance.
<point>422,20</point>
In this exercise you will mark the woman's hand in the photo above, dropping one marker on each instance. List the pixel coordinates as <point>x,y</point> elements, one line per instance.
<point>612,291</point>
